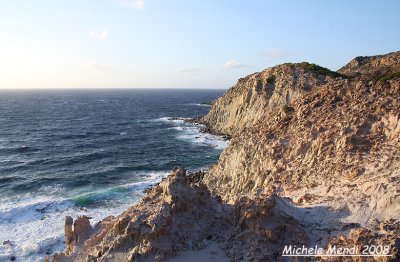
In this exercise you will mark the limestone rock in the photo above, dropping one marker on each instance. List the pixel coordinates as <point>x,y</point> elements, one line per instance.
<point>176,216</point>
<point>313,159</point>
<point>387,242</point>
<point>243,105</point>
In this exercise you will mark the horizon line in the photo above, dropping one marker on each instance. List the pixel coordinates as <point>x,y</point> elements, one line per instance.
<point>109,88</point>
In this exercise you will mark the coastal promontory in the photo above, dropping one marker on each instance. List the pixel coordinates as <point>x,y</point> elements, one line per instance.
<point>313,160</point>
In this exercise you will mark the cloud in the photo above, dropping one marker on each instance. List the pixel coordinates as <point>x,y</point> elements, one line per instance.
<point>135,4</point>
<point>277,53</point>
<point>189,70</point>
<point>233,64</point>
<point>99,35</point>
<point>101,67</point>
<point>138,4</point>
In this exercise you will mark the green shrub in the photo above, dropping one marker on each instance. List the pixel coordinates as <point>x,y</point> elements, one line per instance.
<point>388,76</point>
<point>271,79</point>
<point>316,69</point>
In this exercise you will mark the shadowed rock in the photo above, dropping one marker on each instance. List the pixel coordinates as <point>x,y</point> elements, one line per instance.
<point>313,159</point>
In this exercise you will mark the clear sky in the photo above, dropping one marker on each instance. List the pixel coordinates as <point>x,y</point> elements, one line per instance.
<point>182,43</point>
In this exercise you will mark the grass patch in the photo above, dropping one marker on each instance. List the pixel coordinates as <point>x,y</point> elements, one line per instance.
<point>387,77</point>
<point>316,69</point>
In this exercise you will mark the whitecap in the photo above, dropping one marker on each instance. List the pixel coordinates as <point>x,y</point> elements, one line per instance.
<point>177,120</point>
<point>33,224</point>
<point>33,227</point>
<point>150,179</point>
<point>53,189</point>
<point>193,133</point>
<point>199,104</point>
<point>29,248</point>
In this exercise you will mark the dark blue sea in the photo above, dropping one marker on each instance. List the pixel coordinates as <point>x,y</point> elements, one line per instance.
<point>89,152</point>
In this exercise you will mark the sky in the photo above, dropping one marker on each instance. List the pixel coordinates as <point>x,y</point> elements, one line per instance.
<point>182,43</point>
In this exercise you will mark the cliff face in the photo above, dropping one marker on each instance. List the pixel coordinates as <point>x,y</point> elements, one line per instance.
<point>253,96</point>
<point>335,143</point>
<point>333,132</point>
<point>247,102</point>
<point>314,159</point>
<point>340,131</point>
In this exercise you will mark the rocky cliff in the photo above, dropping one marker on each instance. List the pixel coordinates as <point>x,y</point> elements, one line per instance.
<point>321,139</point>
<point>253,96</point>
<point>180,214</point>
<point>316,127</point>
<point>314,159</point>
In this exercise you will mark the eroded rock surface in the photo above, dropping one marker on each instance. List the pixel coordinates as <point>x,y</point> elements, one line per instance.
<point>333,150</point>
<point>314,159</point>
<point>176,216</point>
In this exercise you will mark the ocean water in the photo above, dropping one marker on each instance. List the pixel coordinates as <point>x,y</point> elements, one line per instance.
<point>89,152</point>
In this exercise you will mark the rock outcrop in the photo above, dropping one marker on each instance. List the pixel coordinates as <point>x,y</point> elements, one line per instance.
<point>383,234</point>
<point>314,159</point>
<point>243,105</point>
<point>372,66</point>
<point>335,144</point>
<point>178,215</point>
<point>340,131</point>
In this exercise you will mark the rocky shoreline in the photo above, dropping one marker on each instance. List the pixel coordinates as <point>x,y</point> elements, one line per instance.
<point>313,160</point>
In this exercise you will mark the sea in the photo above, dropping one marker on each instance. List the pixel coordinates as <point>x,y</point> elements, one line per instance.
<point>90,152</point>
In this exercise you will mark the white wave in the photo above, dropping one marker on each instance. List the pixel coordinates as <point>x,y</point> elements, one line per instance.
<point>178,128</point>
<point>192,133</point>
<point>201,104</point>
<point>34,208</point>
<point>33,224</point>
<point>30,248</point>
<point>53,189</point>
<point>178,120</point>
<point>151,179</point>
<point>31,229</point>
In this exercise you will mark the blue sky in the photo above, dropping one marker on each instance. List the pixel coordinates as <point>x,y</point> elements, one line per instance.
<point>182,43</point>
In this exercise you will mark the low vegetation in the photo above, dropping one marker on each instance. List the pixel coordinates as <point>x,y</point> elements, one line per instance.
<point>316,69</point>
<point>388,77</point>
<point>271,79</point>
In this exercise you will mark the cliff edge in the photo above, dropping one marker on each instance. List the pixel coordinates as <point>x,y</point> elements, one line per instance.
<point>243,105</point>
<point>314,159</point>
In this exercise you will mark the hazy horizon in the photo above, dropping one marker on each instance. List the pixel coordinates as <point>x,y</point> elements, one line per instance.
<point>107,88</point>
<point>127,44</point>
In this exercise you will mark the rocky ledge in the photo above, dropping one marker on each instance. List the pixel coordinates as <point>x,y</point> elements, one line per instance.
<point>314,159</point>
<point>180,214</point>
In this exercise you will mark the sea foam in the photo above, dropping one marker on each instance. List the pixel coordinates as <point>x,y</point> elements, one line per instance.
<point>32,226</point>
<point>193,133</point>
